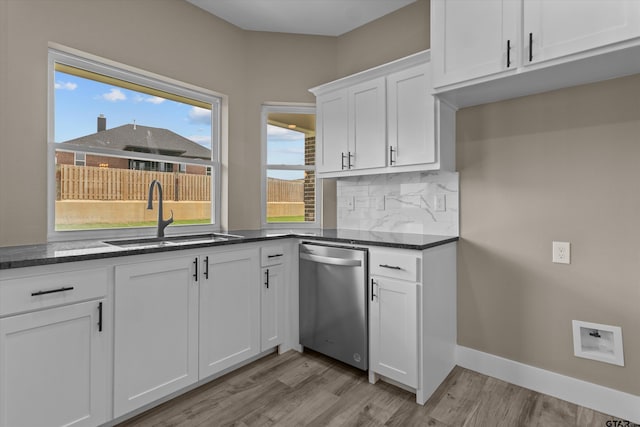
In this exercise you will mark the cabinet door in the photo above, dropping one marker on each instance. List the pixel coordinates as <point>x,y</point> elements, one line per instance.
<point>593,24</point>
<point>272,307</point>
<point>53,369</point>
<point>469,38</point>
<point>410,117</point>
<point>156,331</point>
<point>367,125</point>
<point>331,132</point>
<point>229,310</point>
<point>394,330</point>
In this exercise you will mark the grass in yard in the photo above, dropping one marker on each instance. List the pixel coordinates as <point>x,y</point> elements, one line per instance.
<point>297,218</point>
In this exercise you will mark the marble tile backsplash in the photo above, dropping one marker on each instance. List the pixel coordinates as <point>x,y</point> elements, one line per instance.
<point>417,202</point>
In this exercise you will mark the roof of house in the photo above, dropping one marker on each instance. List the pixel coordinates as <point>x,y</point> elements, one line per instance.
<point>143,139</point>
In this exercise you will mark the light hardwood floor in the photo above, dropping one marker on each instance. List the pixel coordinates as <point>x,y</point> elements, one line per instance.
<point>312,390</point>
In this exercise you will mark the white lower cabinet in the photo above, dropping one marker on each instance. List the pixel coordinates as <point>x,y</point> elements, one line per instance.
<point>229,310</point>
<point>412,316</point>
<point>393,329</point>
<point>54,360</point>
<point>179,320</point>
<point>272,308</point>
<point>156,330</point>
<point>273,305</point>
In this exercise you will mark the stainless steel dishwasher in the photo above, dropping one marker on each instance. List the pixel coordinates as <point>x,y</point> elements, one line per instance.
<point>333,302</point>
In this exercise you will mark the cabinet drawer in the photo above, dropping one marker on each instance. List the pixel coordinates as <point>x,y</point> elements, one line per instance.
<point>37,292</point>
<point>403,266</point>
<point>271,255</point>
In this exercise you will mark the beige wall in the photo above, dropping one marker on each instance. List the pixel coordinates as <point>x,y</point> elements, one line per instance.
<point>391,37</point>
<point>177,40</point>
<point>563,166</point>
<point>168,37</point>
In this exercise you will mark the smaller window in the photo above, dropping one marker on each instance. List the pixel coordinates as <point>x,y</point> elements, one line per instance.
<point>290,194</point>
<point>80,159</point>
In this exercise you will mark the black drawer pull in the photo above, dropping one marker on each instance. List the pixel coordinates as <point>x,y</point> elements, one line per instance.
<point>393,267</point>
<point>52,291</point>
<point>530,47</point>
<point>274,256</point>
<point>206,267</point>
<point>195,273</point>
<point>508,53</point>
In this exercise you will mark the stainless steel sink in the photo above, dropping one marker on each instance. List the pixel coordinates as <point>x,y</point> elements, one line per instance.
<point>155,242</point>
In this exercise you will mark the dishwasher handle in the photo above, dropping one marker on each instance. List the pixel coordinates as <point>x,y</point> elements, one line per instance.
<point>332,261</point>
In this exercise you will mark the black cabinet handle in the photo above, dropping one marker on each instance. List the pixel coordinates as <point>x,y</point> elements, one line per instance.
<point>100,317</point>
<point>530,47</point>
<point>393,267</point>
<point>206,267</point>
<point>274,256</point>
<point>391,151</point>
<point>349,160</point>
<point>508,53</point>
<point>342,163</point>
<point>195,274</point>
<point>52,291</point>
<point>266,273</point>
<point>373,282</point>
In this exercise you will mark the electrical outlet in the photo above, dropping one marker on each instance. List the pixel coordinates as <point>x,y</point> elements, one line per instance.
<point>351,203</point>
<point>561,253</point>
<point>440,202</point>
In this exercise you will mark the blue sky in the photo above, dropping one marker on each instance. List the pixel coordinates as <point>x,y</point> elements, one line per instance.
<point>79,102</point>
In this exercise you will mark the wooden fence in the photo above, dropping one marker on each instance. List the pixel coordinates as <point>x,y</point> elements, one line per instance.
<point>282,190</point>
<point>94,183</point>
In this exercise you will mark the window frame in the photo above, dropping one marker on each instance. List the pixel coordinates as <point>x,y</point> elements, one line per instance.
<point>293,108</point>
<point>78,59</point>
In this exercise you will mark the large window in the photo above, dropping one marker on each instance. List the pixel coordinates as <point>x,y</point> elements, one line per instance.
<point>112,131</point>
<point>290,191</point>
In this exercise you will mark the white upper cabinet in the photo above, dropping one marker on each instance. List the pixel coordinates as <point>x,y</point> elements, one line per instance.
<point>529,46</point>
<point>331,127</point>
<point>472,38</point>
<point>383,120</point>
<point>411,117</point>
<point>351,124</point>
<point>557,28</point>
<point>366,124</point>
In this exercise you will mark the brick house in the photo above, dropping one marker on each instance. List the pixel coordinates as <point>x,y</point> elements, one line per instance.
<point>136,139</point>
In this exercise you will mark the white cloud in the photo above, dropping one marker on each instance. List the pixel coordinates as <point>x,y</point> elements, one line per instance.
<point>114,95</point>
<point>65,85</point>
<point>199,115</point>
<point>154,100</point>
<point>150,99</point>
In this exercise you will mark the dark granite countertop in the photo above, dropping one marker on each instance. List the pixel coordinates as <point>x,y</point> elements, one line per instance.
<point>83,250</point>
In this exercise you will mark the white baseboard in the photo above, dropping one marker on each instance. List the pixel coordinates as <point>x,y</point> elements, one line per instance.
<point>583,393</point>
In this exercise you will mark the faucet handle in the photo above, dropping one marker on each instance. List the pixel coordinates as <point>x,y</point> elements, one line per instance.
<point>170,220</point>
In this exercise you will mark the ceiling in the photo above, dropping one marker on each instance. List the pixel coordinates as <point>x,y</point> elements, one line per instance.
<point>316,17</point>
